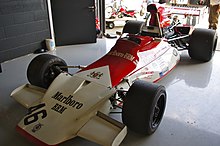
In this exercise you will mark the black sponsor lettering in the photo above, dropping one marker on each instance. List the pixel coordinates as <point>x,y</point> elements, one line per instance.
<point>56,95</point>
<point>64,98</point>
<point>79,105</point>
<point>59,108</point>
<point>60,98</point>
<point>68,100</point>
<point>72,103</point>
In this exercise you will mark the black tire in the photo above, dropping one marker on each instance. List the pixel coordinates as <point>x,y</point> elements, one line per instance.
<point>41,70</point>
<point>133,27</point>
<point>143,107</point>
<point>111,25</point>
<point>202,44</point>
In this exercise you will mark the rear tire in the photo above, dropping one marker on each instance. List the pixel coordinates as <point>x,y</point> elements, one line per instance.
<point>202,44</point>
<point>41,71</point>
<point>143,107</point>
<point>133,27</point>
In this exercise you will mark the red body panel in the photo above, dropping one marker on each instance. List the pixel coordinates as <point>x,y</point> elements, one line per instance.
<point>31,138</point>
<point>122,58</point>
<point>130,13</point>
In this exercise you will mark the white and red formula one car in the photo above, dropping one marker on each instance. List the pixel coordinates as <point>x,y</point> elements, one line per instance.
<point>62,106</point>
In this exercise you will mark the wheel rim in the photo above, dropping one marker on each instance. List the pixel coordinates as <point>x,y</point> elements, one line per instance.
<point>111,25</point>
<point>51,73</point>
<point>158,111</point>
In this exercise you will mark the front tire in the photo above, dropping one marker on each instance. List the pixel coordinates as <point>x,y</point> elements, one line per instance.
<point>143,107</point>
<point>202,44</point>
<point>42,70</point>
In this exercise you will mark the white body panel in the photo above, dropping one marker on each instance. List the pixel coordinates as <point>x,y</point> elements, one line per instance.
<point>154,64</point>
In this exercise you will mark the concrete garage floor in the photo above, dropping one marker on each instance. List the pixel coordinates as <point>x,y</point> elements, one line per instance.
<point>192,114</point>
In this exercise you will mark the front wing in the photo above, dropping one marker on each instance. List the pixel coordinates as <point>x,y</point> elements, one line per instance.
<point>100,128</point>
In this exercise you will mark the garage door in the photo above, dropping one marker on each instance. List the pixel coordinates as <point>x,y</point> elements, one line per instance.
<point>73,21</point>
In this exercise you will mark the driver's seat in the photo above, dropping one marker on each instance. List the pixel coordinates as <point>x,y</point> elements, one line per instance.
<point>153,29</point>
<point>154,15</point>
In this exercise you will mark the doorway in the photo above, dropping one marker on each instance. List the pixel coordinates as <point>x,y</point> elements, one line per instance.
<point>73,21</point>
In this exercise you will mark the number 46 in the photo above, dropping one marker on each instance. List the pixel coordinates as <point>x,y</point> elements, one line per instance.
<point>33,116</point>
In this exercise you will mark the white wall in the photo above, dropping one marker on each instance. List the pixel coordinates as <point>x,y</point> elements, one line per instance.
<point>130,4</point>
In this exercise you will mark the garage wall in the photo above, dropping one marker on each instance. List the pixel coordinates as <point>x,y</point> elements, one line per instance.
<point>24,26</point>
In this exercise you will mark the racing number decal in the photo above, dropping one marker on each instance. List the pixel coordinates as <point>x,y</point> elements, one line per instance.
<point>34,116</point>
